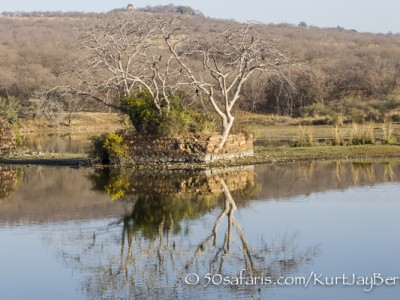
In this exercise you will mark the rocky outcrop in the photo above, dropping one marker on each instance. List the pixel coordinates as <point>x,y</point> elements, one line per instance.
<point>200,149</point>
<point>7,138</point>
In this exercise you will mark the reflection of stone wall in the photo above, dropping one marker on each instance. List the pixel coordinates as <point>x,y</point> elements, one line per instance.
<point>203,183</point>
<point>7,139</point>
<point>189,149</point>
<point>237,178</point>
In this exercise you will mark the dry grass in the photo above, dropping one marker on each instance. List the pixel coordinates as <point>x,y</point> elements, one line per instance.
<point>305,137</point>
<point>270,134</point>
<point>361,134</point>
<point>337,138</point>
<point>81,122</point>
<point>387,132</point>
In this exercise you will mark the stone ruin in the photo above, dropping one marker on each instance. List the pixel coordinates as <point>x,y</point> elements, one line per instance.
<point>194,149</point>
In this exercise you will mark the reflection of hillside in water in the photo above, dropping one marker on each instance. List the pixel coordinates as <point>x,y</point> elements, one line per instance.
<point>8,180</point>
<point>39,194</point>
<point>291,180</point>
<point>51,194</point>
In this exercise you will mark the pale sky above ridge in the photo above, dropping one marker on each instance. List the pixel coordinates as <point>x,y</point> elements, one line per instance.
<point>361,15</point>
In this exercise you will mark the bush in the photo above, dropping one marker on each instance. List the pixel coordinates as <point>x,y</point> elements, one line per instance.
<point>9,109</point>
<point>142,112</point>
<point>315,110</point>
<point>353,109</point>
<point>114,145</point>
<point>109,148</point>
<point>179,120</point>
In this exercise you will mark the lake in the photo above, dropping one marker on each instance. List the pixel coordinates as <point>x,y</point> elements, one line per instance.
<point>321,230</point>
<point>58,143</point>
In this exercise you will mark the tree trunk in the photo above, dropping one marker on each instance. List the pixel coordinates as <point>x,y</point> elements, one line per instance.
<point>226,129</point>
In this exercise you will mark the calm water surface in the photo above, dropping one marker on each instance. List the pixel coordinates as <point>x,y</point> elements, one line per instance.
<point>119,234</point>
<point>59,143</point>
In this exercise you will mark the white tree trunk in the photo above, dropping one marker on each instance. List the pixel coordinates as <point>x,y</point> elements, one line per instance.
<point>226,129</point>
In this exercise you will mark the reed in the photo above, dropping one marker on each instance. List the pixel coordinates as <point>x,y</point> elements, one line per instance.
<point>305,137</point>
<point>387,130</point>
<point>337,139</point>
<point>361,134</point>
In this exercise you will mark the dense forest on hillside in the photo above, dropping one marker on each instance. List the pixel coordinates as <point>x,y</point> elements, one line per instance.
<point>343,72</point>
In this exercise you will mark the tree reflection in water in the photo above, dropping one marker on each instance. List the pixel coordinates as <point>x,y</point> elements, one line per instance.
<point>172,228</point>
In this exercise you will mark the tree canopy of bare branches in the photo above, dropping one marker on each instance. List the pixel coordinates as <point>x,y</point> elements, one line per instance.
<point>225,61</point>
<point>124,56</point>
<point>157,54</point>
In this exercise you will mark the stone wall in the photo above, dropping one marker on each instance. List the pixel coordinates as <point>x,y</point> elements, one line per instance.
<point>7,139</point>
<point>200,149</point>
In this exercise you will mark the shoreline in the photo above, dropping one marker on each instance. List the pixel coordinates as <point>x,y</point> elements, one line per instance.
<point>56,162</point>
<point>263,155</point>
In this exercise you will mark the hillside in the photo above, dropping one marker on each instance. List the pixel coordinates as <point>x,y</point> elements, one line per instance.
<point>359,71</point>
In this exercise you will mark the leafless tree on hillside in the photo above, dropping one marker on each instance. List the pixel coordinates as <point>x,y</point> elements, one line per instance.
<point>124,56</point>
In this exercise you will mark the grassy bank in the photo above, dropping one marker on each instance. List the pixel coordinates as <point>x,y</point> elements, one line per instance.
<point>55,159</point>
<point>82,122</point>
<point>274,140</point>
<point>359,152</point>
<point>270,130</point>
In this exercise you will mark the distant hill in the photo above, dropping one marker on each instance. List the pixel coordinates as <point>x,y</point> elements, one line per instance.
<point>340,64</point>
<point>184,10</point>
<point>170,8</point>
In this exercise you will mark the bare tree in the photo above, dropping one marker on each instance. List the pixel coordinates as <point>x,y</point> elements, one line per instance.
<point>45,105</point>
<point>226,60</point>
<point>157,54</point>
<point>124,56</point>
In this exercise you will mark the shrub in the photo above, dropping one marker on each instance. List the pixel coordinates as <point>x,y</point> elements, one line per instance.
<point>179,120</point>
<point>97,149</point>
<point>395,117</point>
<point>9,109</point>
<point>115,147</point>
<point>109,148</point>
<point>142,112</point>
<point>315,110</point>
<point>353,109</point>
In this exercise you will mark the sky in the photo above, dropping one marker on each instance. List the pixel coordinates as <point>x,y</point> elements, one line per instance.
<point>362,15</point>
